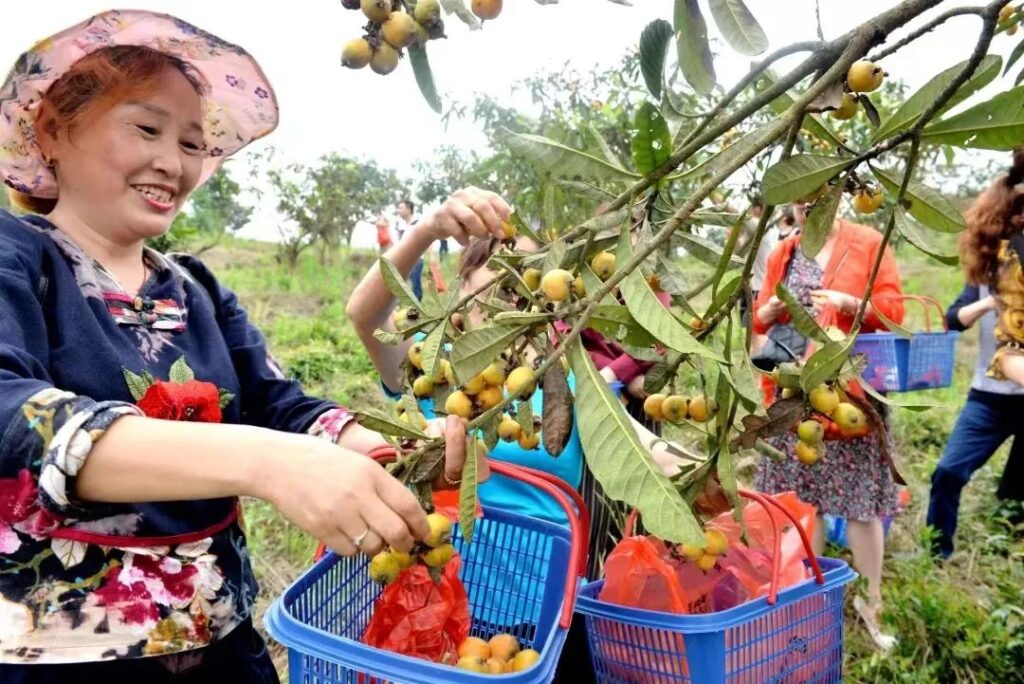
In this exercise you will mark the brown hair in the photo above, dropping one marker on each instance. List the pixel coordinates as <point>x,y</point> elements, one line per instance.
<point>996,214</point>
<point>91,87</point>
<point>476,255</point>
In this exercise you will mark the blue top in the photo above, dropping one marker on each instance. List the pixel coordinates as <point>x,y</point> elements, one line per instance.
<point>68,333</point>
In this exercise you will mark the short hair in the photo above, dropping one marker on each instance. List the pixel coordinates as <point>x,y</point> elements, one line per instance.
<point>408,203</point>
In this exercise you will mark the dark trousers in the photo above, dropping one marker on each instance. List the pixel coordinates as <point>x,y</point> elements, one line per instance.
<point>416,279</point>
<point>574,665</point>
<point>239,658</point>
<point>985,422</point>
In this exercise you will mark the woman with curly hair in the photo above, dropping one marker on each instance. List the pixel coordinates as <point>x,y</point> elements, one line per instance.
<point>993,296</point>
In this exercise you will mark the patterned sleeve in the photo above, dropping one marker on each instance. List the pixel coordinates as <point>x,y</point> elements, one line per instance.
<point>46,434</point>
<point>330,424</point>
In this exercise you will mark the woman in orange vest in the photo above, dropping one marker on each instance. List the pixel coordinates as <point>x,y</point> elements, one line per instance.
<point>853,479</point>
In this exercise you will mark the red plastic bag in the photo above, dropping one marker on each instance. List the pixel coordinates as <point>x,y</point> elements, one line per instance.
<point>416,617</point>
<point>637,574</point>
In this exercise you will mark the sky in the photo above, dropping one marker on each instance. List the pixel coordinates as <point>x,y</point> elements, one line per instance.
<point>325,107</point>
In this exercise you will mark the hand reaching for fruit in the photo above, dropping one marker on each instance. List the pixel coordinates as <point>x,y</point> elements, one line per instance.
<point>470,212</point>
<point>844,303</point>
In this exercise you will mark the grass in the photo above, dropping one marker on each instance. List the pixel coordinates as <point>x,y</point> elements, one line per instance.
<point>959,621</point>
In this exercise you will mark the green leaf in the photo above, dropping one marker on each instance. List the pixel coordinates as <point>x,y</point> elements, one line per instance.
<point>137,385</point>
<point>477,349</point>
<point>524,416</point>
<point>692,46</point>
<point>655,319</point>
<point>555,256</point>
<point>914,106</point>
<point>997,124</point>
<point>651,144</point>
<point>653,48</point>
<point>615,322</point>
<point>424,76</point>
<point>820,219</point>
<point>926,205</point>
<point>907,402</point>
<point>825,363</point>
<point>398,285</point>
<point>521,318</point>
<point>801,320</point>
<point>523,228</point>
<point>467,492</point>
<point>893,326</point>
<point>739,26</point>
<point>562,161</point>
<point>619,461</point>
<point>799,176</point>
<point>744,147</point>
<point>591,283</point>
<point>609,155</point>
<point>388,424</point>
<point>907,229</point>
<point>705,250</point>
<point>1018,52</point>
<point>741,377</point>
<point>432,344</point>
<point>180,372</point>
<point>721,298</point>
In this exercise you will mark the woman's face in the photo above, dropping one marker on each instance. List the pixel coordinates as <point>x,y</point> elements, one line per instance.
<point>479,277</point>
<point>127,173</point>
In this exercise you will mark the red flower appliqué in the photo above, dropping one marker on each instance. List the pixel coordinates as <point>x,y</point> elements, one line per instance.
<point>18,497</point>
<point>194,401</point>
<point>137,593</point>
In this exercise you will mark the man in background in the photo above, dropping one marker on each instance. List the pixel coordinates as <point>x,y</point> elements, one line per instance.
<point>406,220</point>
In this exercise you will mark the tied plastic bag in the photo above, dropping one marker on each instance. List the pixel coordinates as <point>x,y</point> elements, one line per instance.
<point>417,617</point>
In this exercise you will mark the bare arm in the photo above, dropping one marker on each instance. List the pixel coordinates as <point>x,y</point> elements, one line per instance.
<point>970,313</point>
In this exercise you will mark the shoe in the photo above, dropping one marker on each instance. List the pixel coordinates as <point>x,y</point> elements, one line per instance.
<point>883,641</point>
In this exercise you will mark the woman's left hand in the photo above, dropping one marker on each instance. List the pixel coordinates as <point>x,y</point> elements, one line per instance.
<point>844,303</point>
<point>453,429</point>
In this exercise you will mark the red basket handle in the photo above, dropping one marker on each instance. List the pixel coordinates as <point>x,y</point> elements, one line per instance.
<point>772,507</point>
<point>926,303</point>
<point>568,498</point>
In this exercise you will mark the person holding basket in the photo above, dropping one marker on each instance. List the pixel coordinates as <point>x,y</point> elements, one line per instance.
<point>853,478</point>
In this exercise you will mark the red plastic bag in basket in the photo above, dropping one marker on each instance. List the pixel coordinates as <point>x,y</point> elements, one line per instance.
<point>416,617</point>
<point>637,574</point>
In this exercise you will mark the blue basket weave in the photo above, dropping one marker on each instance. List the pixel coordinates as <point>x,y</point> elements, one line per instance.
<point>322,616</point>
<point>896,364</point>
<point>799,639</point>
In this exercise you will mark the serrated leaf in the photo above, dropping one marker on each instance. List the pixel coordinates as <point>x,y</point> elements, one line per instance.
<point>799,176</point>
<point>69,552</point>
<point>908,230</point>
<point>137,385</point>
<point>475,350</point>
<point>459,9</point>
<point>997,124</point>
<point>820,219</point>
<point>692,46</point>
<point>651,315</point>
<point>427,467</point>
<point>782,416</point>
<point>387,424</point>
<point>619,461</point>
<point>914,106</point>
<point>651,143</point>
<point>801,320</point>
<point>431,354</point>
<point>424,76</point>
<point>398,285</point>
<point>180,372</point>
<point>671,277</point>
<point>552,157</point>
<point>656,377</point>
<point>825,363</point>
<point>739,26</point>
<point>468,492</point>
<point>653,49</point>
<point>926,205</point>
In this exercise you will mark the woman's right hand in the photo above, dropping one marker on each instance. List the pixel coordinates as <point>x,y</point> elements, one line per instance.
<point>467,213</point>
<point>771,310</point>
<point>337,495</point>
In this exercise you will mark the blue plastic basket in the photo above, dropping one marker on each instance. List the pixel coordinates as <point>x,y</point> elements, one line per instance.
<point>799,639</point>
<point>322,616</point>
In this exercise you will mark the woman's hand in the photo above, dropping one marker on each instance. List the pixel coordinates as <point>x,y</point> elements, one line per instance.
<point>454,430</point>
<point>636,387</point>
<point>771,310</point>
<point>341,497</point>
<point>470,212</point>
<point>844,303</point>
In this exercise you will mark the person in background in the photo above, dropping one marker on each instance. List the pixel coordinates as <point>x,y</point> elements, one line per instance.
<point>991,415</point>
<point>383,232</point>
<point>853,478</point>
<point>406,220</point>
<point>783,228</point>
